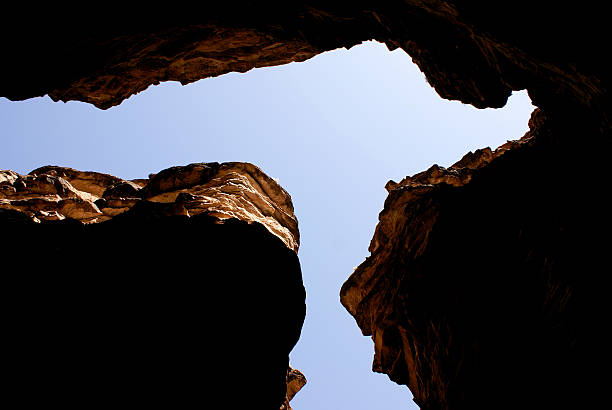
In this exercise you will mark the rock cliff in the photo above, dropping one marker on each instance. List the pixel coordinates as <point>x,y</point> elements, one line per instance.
<point>486,286</point>
<point>175,291</point>
<point>471,51</point>
<point>475,291</point>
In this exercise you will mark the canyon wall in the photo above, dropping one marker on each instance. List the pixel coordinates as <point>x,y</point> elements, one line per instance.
<point>470,51</point>
<point>476,290</point>
<point>486,284</point>
<point>182,289</point>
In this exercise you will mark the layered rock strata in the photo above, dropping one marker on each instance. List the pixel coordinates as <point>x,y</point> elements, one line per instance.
<point>229,190</point>
<point>478,290</point>
<point>175,291</point>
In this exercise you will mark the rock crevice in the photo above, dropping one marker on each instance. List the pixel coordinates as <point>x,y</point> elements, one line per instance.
<point>470,292</point>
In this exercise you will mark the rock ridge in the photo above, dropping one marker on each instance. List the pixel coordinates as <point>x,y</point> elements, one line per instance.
<point>468,51</point>
<point>228,190</point>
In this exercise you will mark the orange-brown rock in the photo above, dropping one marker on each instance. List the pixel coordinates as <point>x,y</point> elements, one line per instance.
<point>232,189</point>
<point>471,290</point>
<point>229,190</point>
<point>150,294</point>
<point>470,51</point>
<point>478,290</point>
<point>295,381</point>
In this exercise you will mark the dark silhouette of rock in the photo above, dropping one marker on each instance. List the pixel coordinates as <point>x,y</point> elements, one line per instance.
<point>475,293</point>
<point>167,303</point>
<point>472,51</point>
<point>487,283</point>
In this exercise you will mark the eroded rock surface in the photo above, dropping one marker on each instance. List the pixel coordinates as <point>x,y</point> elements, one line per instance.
<point>156,294</point>
<point>295,381</point>
<point>470,51</point>
<point>473,293</point>
<point>470,291</point>
<point>229,190</point>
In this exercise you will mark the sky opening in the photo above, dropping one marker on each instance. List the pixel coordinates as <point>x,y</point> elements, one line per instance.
<point>333,130</point>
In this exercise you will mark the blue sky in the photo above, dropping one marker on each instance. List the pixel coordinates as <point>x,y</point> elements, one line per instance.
<point>333,130</point>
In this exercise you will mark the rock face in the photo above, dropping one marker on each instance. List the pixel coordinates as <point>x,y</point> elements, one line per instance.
<point>177,291</point>
<point>470,51</point>
<point>475,293</point>
<point>486,286</point>
<point>295,382</point>
<point>229,190</point>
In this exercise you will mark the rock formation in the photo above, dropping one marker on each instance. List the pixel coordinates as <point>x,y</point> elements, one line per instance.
<point>295,382</point>
<point>470,51</point>
<point>472,290</point>
<point>229,190</point>
<point>176,291</point>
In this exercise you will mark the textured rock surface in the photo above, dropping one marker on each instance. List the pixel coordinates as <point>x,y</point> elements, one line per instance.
<point>470,51</point>
<point>152,295</point>
<point>229,190</point>
<point>475,293</point>
<point>295,382</point>
<point>470,292</point>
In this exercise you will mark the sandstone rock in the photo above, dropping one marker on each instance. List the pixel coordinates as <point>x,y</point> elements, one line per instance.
<point>145,303</point>
<point>468,51</point>
<point>78,209</point>
<point>32,186</point>
<point>228,190</point>
<point>49,216</point>
<point>123,189</point>
<point>94,183</point>
<point>8,177</point>
<point>114,207</point>
<point>295,382</point>
<point>470,292</point>
<point>44,193</point>
<point>140,182</point>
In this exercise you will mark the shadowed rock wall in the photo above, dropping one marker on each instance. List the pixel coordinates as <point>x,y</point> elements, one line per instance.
<point>177,291</point>
<point>485,278</point>
<point>486,284</point>
<point>471,51</point>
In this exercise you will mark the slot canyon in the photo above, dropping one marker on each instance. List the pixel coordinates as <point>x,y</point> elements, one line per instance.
<point>485,285</point>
